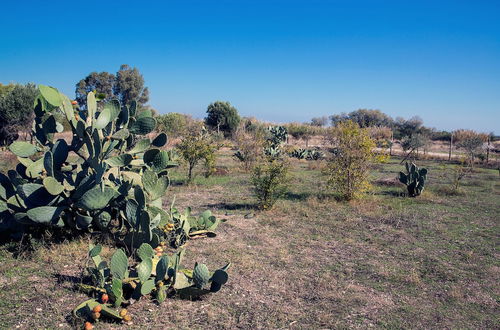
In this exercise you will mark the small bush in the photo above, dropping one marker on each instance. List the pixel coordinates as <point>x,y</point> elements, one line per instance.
<point>270,182</point>
<point>197,147</point>
<point>347,170</point>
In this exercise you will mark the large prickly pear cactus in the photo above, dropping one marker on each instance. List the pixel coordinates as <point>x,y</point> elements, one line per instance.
<point>109,177</point>
<point>414,179</point>
<point>277,136</point>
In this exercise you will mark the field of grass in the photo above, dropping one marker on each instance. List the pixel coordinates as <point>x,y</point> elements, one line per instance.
<point>384,261</point>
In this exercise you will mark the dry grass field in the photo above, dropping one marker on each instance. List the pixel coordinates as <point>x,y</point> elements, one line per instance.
<point>384,261</point>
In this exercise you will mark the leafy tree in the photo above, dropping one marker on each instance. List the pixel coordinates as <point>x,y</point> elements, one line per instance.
<point>16,111</point>
<point>223,117</point>
<point>364,118</point>
<point>319,121</point>
<point>173,123</point>
<point>407,127</point>
<point>196,147</point>
<point>126,85</point>
<point>301,131</point>
<point>101,82</point>
<point>470,141</point>
<point>129,86</point>
<point>347,171</point>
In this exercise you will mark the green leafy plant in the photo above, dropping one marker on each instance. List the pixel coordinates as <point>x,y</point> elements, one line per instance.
<point>196,147</point>
<point>269,181</point>
<point>353,154</point>
<point>414,179</point>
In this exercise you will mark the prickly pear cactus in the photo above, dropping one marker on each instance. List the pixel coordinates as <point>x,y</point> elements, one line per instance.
<point>414,179</point>
<point>109,177</point>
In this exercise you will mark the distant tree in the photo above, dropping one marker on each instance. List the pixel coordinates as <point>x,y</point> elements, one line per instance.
<point>100,82</point>
<point>470,141</point>
<point>407,127</point>
<point>319,121</point>
<point>173,124</point>
<point>129,86</point>
<point>126,85</point>
<point>16,111</point>
<point>364,118</point>
<point>301,131</point>
<point>223,117</point>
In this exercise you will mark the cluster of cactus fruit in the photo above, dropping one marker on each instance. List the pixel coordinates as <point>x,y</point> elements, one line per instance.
<point>276,137</point>
<point>111,178</point>
<point>153,273</point>
<point>414,179</point>
<point>309,154</point>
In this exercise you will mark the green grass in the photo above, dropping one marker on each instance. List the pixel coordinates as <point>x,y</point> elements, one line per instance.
<point>384,261</point>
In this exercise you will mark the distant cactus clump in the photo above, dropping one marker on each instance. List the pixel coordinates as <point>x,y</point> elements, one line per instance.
<point>414,179</point>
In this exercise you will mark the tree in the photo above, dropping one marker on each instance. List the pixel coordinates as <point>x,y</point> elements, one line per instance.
<point>129,86</point>
<point>364,118</point>
<point>16,111</point>
<point>319,121</point>
<point>173,123</point>
<point>126,85</point>
<point>407,127</point>
<point>223,117</point>
<point>347,171</point>
<point>471,141</point>
<point>301,131</point>
<point>195,147</point>
<point>101,82</point>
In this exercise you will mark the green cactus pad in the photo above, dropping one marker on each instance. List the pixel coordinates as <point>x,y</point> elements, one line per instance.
<point>50,94</point>
<point>95,198</point>
<point>103,119</point>
<point>53,186</point>
<point>44,214</point>
<point>143,126</point>
<point>119,264</point>
<point>120,160</point>
<point>145,251</point>
<point>160,140</point>
<point>147,287</point>
<point>201,275</point>
<point>144,269</point>
<point>23,149</point>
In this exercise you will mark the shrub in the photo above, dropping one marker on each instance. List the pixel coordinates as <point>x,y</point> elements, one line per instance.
<point>196,147</point>
<point>269,181</point>
<point>249,145</point>
<point>223,117</point>
<point>301,131</point>
<point>16,111</point>
<point>347,170</point>
<point>470,141</point>
<point>173,124</point>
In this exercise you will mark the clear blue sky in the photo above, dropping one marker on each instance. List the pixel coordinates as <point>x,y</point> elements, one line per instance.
<point>275,60</point>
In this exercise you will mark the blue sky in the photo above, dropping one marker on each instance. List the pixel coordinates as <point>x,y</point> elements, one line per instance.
<point>275,60</point>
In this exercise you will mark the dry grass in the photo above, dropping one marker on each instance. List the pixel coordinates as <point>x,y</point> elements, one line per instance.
<point>382,261</point>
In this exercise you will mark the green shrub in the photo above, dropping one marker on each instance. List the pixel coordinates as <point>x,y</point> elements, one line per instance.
<point>196,147</point>
<point>269,182</point>
<point>223,117</point>
<point>347,170</point>
<point>16,111</point>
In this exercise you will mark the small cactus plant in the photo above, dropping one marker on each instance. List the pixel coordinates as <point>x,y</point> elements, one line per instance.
<point>414,179</point>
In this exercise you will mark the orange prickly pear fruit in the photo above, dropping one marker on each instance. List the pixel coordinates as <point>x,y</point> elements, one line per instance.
<point>104,298</point>
<point>88,326</point>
